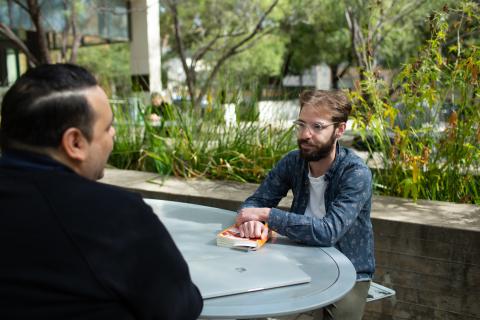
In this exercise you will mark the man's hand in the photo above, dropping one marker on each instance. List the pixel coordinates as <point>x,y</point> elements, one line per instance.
<point>154,117</point>
<point>249,222</point>
<point>252,214</point>
<point>253,230</point>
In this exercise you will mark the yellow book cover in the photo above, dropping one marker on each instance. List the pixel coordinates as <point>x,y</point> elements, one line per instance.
<point>230,237</point>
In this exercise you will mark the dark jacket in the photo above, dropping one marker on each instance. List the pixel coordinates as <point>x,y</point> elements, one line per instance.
<point>348,197</point>
<point>77,249</point>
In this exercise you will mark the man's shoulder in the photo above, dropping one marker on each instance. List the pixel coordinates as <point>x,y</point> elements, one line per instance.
<point>349,157</point>
<point>352,174</point>
<point>291,161</point>
<point>292,156</point>
<point>73,187</point>
<point>80,202</point>
<point>352,165</point>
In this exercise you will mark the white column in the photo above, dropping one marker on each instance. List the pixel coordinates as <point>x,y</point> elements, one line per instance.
<point>322,77</point>
<point>145,54</point>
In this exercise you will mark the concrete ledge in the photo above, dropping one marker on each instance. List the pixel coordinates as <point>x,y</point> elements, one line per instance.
<point>229,195</point>
<point>221,194</point>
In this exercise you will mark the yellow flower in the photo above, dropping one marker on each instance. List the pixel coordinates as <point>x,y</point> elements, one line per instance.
<point>425,154</point>
<point>452,120</point>
<point>415,171</point>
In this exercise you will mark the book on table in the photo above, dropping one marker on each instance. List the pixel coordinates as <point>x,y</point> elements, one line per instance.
<point>230,237</point>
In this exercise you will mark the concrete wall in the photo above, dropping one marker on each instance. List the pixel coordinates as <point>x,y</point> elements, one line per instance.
<point>428,251</point>
<point>434,270</point>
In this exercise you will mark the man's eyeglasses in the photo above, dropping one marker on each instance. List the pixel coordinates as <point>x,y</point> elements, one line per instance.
<point>314,128</point>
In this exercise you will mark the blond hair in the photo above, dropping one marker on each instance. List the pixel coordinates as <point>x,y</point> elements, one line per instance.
<point>335,101</point>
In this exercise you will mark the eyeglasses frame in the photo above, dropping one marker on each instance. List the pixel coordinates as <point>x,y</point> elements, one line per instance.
<point>300,126</point>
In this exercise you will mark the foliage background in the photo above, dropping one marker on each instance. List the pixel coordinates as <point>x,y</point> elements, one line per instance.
<point>111,65</point>
<point>430,48</point>
<point>411,154</point>
<point>415,156</point>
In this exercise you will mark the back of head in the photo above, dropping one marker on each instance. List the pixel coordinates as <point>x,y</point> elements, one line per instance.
<point>43,103</point>
<point>335,101</point>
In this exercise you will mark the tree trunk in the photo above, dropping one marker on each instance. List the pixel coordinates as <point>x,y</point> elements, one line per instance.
<point>10,12</point>
<point>77,37</point>
<point>41,36</point>
<point>333,76</point>
<point>286,64</point>
<point>19,44</point>
<point>63,50</point>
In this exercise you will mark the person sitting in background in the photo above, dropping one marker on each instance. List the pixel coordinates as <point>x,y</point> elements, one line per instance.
<point>159,114</point>
<point>72,247</point>
<point>157,110</point>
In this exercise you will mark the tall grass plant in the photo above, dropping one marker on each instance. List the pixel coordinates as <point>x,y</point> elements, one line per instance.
<point>427,136</point>
<point>199,144</point>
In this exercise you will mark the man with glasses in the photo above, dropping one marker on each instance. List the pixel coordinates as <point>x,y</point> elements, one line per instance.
<point>332,190</point>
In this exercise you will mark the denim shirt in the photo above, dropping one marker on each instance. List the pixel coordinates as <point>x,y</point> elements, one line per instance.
<point>348,195</point>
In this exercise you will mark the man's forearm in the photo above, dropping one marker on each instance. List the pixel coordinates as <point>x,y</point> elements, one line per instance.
<point>253,214</point>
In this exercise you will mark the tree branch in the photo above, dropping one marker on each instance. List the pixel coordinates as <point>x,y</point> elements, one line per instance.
<point>77,37</point>
<point>21,5</point>
<point>409,8</point>
<point>63,50</point>
<point>251,43</point>
<point>36,17</point>
<point>10,12</point>
<point>356,38</point>
<point>189,73</point>
<point>462,36</point>
<point>234,49</point>
<point>18,43</point>
<point>202,51</point>
<point>255,30</point>
<point>342,73</point>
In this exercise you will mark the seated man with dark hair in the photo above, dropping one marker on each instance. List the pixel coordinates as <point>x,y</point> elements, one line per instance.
<point>73,248</point>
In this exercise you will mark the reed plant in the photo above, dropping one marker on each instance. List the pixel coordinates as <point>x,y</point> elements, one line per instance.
<point>192,144</point>
<point>427,136</point>
<point>129,127</point>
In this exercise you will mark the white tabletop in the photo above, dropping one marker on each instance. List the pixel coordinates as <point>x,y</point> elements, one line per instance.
<point>194,229</point>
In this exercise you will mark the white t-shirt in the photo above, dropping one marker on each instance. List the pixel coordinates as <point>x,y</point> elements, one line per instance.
<point>316,203</point>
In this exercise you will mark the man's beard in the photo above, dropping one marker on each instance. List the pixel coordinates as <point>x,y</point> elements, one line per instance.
<point>319,152</point>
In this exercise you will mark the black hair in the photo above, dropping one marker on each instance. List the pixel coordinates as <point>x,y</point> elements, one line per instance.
<point>43,103</point>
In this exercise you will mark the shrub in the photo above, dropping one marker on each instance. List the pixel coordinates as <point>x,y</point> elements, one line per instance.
<point>427,139</point>
<point>196,145</point>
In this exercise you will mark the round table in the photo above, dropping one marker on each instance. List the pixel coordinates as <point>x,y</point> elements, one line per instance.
<point>194,228</point>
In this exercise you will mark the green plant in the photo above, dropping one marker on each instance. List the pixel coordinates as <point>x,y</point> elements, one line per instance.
<point>129,136</point>
<point>207,146</point>
<point>416,156</point>
<point>190,144</point>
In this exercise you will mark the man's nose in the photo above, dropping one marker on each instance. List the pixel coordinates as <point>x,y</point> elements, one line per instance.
<point>306,133</point>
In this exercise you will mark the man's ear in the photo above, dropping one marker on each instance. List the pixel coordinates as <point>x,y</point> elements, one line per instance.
<point>74,144</point>
<point>341,129</point>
